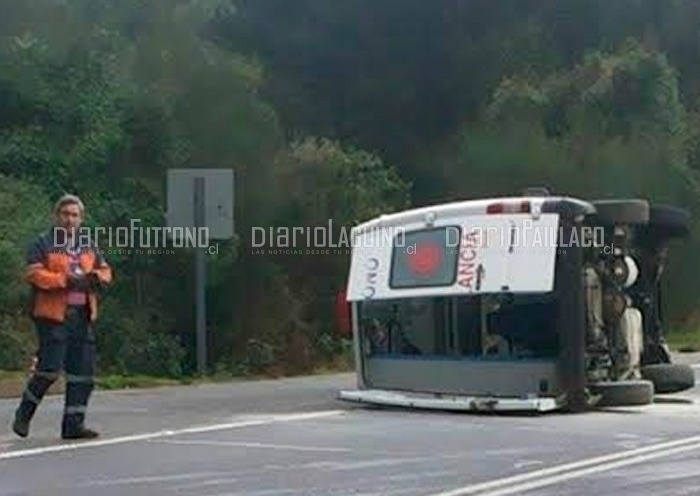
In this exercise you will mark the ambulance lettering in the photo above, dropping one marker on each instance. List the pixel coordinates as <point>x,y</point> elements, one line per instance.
<point>468,255</point>
<point>372,267</point>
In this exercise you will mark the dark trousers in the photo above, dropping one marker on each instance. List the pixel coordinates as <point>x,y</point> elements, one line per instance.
<point>68,347</point>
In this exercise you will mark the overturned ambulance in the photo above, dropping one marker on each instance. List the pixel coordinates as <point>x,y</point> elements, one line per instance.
<point>525,303</point>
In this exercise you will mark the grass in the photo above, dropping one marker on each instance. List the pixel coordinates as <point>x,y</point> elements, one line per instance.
<point>684,341</point>
<point>12,383</point>
<point>111,382</point>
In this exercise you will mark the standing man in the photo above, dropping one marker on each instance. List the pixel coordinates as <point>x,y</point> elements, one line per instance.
<point>65,271</point>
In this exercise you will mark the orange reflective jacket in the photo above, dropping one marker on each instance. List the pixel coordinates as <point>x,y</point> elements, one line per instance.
<point>48,266</point>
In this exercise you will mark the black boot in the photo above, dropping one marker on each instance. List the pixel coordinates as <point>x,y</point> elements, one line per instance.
<point>73,425</point>
<point>21,425</point>
<point>24,413</point>
<point>80,432</point>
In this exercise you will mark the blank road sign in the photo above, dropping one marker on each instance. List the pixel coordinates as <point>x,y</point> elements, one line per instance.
<point>217,199</point>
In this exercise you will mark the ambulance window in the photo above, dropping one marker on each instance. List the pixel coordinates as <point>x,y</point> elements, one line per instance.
<point>411,326</point>
<point>515,327</point>
<point>426,258</point>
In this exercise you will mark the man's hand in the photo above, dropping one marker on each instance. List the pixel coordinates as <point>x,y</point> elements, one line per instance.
<point>78,282</point>
<point>94,281</point>
<point>84,282</point>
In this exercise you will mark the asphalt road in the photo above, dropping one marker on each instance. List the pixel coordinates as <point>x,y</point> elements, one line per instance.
<point>291,437</point>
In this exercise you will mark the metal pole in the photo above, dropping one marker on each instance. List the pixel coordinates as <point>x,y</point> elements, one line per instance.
<point>200,283</point>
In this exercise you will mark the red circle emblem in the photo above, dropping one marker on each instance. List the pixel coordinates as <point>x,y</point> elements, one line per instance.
<point>425,259</point>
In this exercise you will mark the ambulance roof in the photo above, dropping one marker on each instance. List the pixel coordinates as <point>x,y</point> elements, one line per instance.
<point>470,207</point>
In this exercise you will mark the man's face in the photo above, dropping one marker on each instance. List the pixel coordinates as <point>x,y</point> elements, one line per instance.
<point>69,217</point>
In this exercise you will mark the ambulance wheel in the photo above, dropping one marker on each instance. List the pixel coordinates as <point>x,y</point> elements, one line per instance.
<point>612,212</point>
<point>666,222</point>
<point>623,393</point>
<point>669,378</point>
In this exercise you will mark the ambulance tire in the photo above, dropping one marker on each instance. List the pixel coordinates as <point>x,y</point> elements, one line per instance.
<point>623,393</point>
<point>613,212</point>
<point>669,378</point>
<point>667,221</point>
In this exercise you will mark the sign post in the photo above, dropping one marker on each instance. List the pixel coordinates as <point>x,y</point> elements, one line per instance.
<point>197,199</point>
<point>200,278</point>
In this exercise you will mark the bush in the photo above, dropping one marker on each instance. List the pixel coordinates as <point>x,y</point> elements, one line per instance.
<point>17,342</point>
<point>131,344</point>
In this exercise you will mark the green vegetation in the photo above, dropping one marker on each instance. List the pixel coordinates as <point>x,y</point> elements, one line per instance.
<point>325,110</point>
<point>684,341</point>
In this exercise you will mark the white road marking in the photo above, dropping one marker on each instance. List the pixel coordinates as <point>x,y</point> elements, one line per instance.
<point>234,444</point>
<point>205,483</point>
<point>151,478</point>
<point>169,433</point>
<point>362,464</point>
<point>599,463</point>
<point>527,463</point>
<point>628,444</point>
<point>576,474</point>
<point>622,435</point>
<point>629,441</point>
